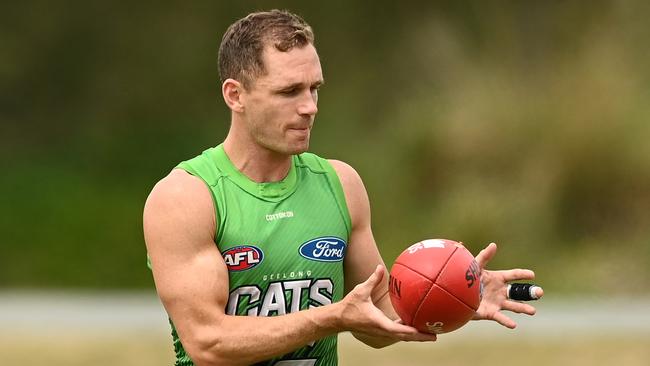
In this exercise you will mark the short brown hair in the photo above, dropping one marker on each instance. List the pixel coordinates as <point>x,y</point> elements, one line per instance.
<point>240,53</point>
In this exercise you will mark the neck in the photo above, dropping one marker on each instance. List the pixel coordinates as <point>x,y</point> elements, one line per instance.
<point>256,162</point>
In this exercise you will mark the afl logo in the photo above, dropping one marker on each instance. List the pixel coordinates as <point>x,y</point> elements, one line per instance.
<point>324,249</point>
<point>243,257</point>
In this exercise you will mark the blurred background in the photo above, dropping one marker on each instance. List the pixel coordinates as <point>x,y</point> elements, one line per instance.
<point>519,122</point>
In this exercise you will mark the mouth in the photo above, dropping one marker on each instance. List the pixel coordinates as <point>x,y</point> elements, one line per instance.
<point>299,128</point>
<point>300,133</point>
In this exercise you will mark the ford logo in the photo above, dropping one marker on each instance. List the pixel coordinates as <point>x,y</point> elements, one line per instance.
<point>324,249</point>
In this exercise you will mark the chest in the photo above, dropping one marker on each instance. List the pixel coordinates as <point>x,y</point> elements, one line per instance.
<point>282,255</point>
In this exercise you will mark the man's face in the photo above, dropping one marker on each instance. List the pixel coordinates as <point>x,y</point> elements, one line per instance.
<point>280,106</point>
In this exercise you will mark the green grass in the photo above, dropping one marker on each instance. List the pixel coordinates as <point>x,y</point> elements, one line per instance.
<point>146,349</point>
<point>587,350</point>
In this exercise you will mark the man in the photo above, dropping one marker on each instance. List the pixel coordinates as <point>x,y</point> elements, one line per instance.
<point>257,227</point>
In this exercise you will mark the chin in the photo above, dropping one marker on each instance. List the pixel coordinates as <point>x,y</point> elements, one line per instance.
<point>298,148</point>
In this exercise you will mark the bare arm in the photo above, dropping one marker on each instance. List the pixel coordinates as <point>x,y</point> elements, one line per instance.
<point>192,281</point>
<point>362,255</point>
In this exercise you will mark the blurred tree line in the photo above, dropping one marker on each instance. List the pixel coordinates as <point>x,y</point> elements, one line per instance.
<point>519,122</point>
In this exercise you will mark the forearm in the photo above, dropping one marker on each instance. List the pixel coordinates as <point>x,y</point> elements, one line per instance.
<point>244,340</point>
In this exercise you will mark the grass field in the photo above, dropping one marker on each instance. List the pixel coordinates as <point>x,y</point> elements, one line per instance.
<point>476,351</point>
<point>146,350</point>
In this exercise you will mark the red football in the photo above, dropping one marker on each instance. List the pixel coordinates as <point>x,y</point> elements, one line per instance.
<point>435,285</point>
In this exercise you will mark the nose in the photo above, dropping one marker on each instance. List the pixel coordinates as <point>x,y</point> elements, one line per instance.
<point>308,103</point>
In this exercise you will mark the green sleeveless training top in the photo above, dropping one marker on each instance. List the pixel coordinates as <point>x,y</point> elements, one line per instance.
<point>283,243</point>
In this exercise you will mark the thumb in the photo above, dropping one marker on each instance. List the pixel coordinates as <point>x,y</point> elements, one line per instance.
<point>485,255</point>
<point>375,278</point>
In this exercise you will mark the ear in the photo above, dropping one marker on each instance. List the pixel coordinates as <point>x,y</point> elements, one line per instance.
<point>231,90</point>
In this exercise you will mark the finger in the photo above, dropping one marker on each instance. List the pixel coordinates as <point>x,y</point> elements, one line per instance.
<point>518,307</point>
<point>523,291</point>
<point>420,337</point>
<point>504,320</point>
<point>410,334</point>
<point>397,328</point>
<point>485,255</point>
<point>517,274</point>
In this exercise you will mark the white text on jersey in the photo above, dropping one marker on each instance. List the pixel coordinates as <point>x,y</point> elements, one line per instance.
<point>279,215</point>
<point>281,297</point>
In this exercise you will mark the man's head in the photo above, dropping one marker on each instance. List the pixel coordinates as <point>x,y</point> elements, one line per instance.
<point>270,75</point>
<point>242,47</point>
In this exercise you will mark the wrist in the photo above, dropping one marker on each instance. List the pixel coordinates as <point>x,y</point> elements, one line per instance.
<point>334,317</point>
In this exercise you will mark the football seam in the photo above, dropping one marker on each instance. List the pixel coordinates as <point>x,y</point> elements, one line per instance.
<point>454,296</point>
<point>448,293</point>
<point>433,280</point>
<point>445,290</point>
<point>421,275</point>
<point>433,283</point>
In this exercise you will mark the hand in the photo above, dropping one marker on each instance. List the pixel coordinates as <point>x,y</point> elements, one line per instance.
<point>360,315</point>
<point>494,291</point>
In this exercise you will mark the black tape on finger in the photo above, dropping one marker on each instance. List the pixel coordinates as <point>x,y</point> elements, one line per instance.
<point>522,291</point>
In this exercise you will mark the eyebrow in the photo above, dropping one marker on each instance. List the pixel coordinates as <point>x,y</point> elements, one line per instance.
<point>318,83</point>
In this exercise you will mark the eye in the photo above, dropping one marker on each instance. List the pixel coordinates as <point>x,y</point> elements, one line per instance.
<point>289,92</point>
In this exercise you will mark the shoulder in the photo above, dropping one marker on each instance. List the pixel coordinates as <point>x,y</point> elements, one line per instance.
<point>179,199</point>
<point>177,187</point>
<point>348,176</point>
<point>356,196</point>
<point>207,165</point>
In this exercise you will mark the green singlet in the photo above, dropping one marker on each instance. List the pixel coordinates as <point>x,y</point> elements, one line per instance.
<point>283,243</point>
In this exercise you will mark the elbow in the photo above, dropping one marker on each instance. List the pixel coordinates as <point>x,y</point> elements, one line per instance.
<point>207,350</point>
<point>203,351</point>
